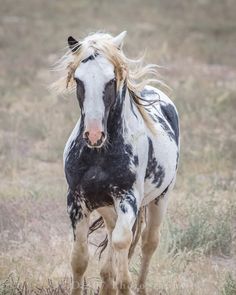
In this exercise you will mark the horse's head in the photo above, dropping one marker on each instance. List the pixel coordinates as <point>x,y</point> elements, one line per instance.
<point>96,86</point>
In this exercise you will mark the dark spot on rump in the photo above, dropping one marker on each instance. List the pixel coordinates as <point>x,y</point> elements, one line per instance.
<point>154,170</point>
<point>171,116</point>
<point>167,129</point>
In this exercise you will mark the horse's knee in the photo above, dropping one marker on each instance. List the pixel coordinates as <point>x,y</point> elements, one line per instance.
<point>79,263</point>
<point>79,255</point>
<point>121,238</point>
<point>150,242</point>
<point>149,247</point>
<point>107,273</point>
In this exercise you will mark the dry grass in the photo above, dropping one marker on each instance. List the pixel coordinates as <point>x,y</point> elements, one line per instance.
<point>196,41</point>
<point>12,286</point>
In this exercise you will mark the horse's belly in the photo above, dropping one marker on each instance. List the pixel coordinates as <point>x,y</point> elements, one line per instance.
<point>150,192</point>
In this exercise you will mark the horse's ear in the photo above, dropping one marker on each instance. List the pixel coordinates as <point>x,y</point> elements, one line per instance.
<point>118,40</point>
<point>73,44</point>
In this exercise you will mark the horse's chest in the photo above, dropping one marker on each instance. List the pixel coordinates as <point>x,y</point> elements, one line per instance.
<point>99,177</point>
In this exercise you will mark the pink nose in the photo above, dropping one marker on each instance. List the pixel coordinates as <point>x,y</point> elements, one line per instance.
<point>93,133</point>
<point>94,136</point>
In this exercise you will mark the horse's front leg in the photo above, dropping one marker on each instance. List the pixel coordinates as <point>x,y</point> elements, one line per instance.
<point>122,236</point>
<point>108,271</point>
<point>80,254</point>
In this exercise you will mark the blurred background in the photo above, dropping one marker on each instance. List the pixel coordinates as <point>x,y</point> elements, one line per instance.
<point>195,42</point>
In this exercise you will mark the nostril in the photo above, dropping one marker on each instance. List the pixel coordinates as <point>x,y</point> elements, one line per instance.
<point>103,135</point>
<point>94,138</point>
<point>86,134</point>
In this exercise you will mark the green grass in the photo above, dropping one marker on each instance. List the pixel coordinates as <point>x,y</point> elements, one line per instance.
<point>229,287</point>
<point>205,231</point>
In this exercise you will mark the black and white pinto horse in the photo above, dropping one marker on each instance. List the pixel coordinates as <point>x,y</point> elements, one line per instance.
<point>121,157</point>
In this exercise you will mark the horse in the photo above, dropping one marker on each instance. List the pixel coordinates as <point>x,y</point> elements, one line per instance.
<point>120,159</point>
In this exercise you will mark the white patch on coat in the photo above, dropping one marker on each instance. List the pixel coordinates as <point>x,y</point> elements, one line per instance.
<point>72,137</point>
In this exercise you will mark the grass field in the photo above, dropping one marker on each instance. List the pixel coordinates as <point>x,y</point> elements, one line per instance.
<point>195,42</point>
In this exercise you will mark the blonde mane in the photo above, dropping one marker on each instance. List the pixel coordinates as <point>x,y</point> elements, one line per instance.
<point>132,71</point>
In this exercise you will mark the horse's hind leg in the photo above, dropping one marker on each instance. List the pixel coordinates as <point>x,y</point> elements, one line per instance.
<point>150,238</point>
<point>107,271</point>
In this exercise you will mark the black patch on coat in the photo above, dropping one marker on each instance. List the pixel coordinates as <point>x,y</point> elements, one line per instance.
<point>128,200</point>
<point>74,209</point>
<point>135,160</point>
<point>171,116</point>
<point>123,207</point>
<point>154,170</point>
<point>91,57</point>
<point>93,173</point>
<point>167,129</point>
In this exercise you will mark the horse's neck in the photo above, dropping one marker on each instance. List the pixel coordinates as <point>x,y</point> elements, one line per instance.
<point>130,113</point>
<point>122,115</point>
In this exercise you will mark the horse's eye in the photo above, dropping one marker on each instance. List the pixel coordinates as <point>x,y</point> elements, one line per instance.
<point>80,91</point>
<point>110,92</point>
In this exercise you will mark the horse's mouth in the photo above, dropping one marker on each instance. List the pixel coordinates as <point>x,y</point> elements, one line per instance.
<point>97,145</point>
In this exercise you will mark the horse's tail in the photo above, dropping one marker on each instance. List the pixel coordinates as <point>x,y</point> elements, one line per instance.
<point>137,230</point>
<point>98,223</point>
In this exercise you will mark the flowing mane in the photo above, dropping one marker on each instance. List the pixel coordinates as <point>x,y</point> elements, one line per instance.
<point>133,71</point>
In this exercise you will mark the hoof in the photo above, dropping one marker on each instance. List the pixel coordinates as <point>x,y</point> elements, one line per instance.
<point>107,289</point>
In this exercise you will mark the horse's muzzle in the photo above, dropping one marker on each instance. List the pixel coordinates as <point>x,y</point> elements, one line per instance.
<point>94,139</point>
